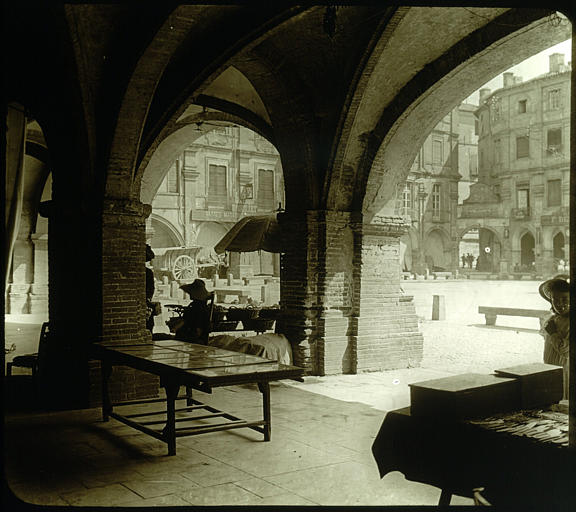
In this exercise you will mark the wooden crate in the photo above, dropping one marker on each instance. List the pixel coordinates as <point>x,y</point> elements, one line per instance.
<point>464,396</point>
<point>540,384</point>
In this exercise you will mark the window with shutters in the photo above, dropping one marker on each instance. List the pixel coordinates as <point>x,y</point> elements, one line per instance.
<point>523,197</point>
<point>265,188</point>
<point>407,199</point>
<point>217,182</point>
<point>498,152</point>
<point>436,203</point>
<point>554,192</point>
<point>522,147</point>
<point>522,106</point>
<point>172,183</point>
<point>554,140</point>
<point>554,99</point>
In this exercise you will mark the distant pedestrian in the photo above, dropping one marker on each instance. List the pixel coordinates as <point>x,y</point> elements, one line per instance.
<point>463,261</point>
<point>556,328</point>
<point>470,259</point>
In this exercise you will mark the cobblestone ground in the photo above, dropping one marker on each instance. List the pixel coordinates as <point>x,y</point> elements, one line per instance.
<point>462,342</point>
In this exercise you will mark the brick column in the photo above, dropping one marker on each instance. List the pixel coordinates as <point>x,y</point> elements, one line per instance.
<point>386,330</point>
<point>297,299</point>
<point>342,307</point>
<point>336,349</point>
<point>123,295</point>
<point>316,289</point>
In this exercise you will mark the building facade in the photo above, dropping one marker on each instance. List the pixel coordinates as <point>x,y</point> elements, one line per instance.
<point>226,174</point>
<point>441,175</point>
<point>520,204</point>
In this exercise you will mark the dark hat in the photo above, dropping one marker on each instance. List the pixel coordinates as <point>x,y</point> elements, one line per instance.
<point>196,289</point>
<point>547,287</point>
<point>149,253</point>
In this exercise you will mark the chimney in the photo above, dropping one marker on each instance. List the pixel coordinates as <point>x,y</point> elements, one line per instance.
<point>484,93</point>
<point>556,62</point>
<point>508,79</point>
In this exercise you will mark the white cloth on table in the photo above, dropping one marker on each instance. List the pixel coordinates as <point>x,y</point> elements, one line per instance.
<point>270,346</point>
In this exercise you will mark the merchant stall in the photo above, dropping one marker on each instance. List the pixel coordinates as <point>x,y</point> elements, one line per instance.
<point>501,439</point>
<point>246,326</point>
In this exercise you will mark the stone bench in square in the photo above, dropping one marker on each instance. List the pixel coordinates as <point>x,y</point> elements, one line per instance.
<point>491,313</point>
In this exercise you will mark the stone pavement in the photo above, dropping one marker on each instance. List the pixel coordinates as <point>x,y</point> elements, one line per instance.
<point>322,429</point>
<point>320,454</point>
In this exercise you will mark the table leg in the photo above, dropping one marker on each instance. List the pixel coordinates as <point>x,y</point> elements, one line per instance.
<point>170,427</point>
<point>264,388</point>
<point>445,497</point>
<point>106,370</point>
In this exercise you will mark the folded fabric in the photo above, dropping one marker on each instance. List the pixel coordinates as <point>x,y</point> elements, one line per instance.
<point>270,346</point>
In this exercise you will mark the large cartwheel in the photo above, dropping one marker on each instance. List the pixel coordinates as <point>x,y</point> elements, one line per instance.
<point>184,268</point>
<point>177,263</point>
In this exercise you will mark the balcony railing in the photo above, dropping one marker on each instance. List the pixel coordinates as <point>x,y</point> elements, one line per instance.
<point>520,213</point>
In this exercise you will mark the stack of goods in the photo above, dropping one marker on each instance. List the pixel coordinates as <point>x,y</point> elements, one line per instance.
<point>543,426</point>
<point>254,318</point>
<point>476,395</point>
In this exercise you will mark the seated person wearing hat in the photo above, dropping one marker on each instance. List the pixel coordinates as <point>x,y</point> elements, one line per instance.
<point>556,328</point>
<point>194,326</point>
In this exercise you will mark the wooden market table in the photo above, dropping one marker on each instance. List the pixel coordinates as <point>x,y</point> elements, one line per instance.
<point>520,458</point>
<point>193,366</point>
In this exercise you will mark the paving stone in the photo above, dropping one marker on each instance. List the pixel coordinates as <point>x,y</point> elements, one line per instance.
<point>262,459</point>
<point>223,494</point>
<point>352,484</point>
<point>213,473</point>
<point>99,478</point>
<point>292,500</point>
<point>260,487</point>
<point>107,496</point>
<point>161,486</point>
<point>170,500</point>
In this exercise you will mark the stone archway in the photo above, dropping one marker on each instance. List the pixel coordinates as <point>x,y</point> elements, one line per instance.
<point>164,234</point>
<point>481,247</point>
<point>558,243</point>
<point>438,250</point>
<point>527,252</point>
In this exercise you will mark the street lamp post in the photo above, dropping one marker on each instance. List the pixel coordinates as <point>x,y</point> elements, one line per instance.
<point>421,267</point>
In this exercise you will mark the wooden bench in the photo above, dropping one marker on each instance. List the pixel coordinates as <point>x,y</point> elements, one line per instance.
<point>490,313</point>
<point>442,275</point>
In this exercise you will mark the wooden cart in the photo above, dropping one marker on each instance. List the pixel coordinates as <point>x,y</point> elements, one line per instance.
<point>178,263</point>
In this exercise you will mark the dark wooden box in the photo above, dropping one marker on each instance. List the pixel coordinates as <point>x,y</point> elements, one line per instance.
<point>464,396</point>
<point>540,384</point>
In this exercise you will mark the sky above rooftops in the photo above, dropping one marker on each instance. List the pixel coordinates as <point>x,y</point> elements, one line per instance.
<point>530,68</point>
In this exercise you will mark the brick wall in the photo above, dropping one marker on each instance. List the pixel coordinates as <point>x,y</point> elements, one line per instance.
<point>295,293</point>
<point>340,295</point>
<point>123,297</point>
<point>387,332</point>
<point>336,294</point>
